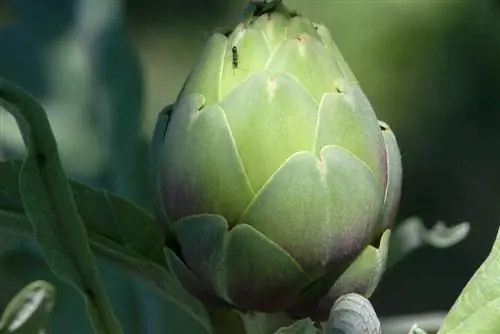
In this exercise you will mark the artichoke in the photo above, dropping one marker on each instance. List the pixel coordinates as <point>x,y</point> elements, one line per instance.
<point>278,184</point>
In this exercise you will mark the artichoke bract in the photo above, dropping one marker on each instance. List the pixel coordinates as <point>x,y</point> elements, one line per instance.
<point>277,180</point>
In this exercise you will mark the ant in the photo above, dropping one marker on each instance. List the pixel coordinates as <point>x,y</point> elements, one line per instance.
<point>235,56</point>
<point>235,59</point>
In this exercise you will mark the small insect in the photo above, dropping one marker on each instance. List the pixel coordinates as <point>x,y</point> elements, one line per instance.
<point>235,57</point>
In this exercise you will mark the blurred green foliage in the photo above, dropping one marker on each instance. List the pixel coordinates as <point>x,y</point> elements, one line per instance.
<point>431,69</point>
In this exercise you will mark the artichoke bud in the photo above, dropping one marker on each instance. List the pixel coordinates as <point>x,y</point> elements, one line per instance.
<point>273,169</point>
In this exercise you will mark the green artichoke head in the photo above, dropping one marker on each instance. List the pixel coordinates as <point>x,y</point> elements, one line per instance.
<point>275,175</point>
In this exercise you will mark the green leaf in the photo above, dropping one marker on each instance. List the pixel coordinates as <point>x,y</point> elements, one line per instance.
<point>138,258</point>
<point>477,309</point>
<point>102,212</point>
<point>304,326</point>
<point>412,234</point>
<point>28,312</point>
<point>48,201</point>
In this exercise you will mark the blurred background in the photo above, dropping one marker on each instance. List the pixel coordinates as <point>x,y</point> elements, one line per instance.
<point>103,69</point>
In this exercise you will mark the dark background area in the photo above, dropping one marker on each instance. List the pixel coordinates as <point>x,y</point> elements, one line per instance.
<point>431,69</point>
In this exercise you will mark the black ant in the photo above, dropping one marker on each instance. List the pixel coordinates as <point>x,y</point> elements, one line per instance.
<point>234,51</point>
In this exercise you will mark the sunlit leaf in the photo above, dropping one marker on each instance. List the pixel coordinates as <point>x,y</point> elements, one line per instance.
<point>477,309</point>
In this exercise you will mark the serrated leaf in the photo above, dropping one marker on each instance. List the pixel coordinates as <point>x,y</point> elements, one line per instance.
<point>304,326</point>
<point>28,312</point>
<point>412,234</point>
<point>477,309</point>
<point>48,202</point>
